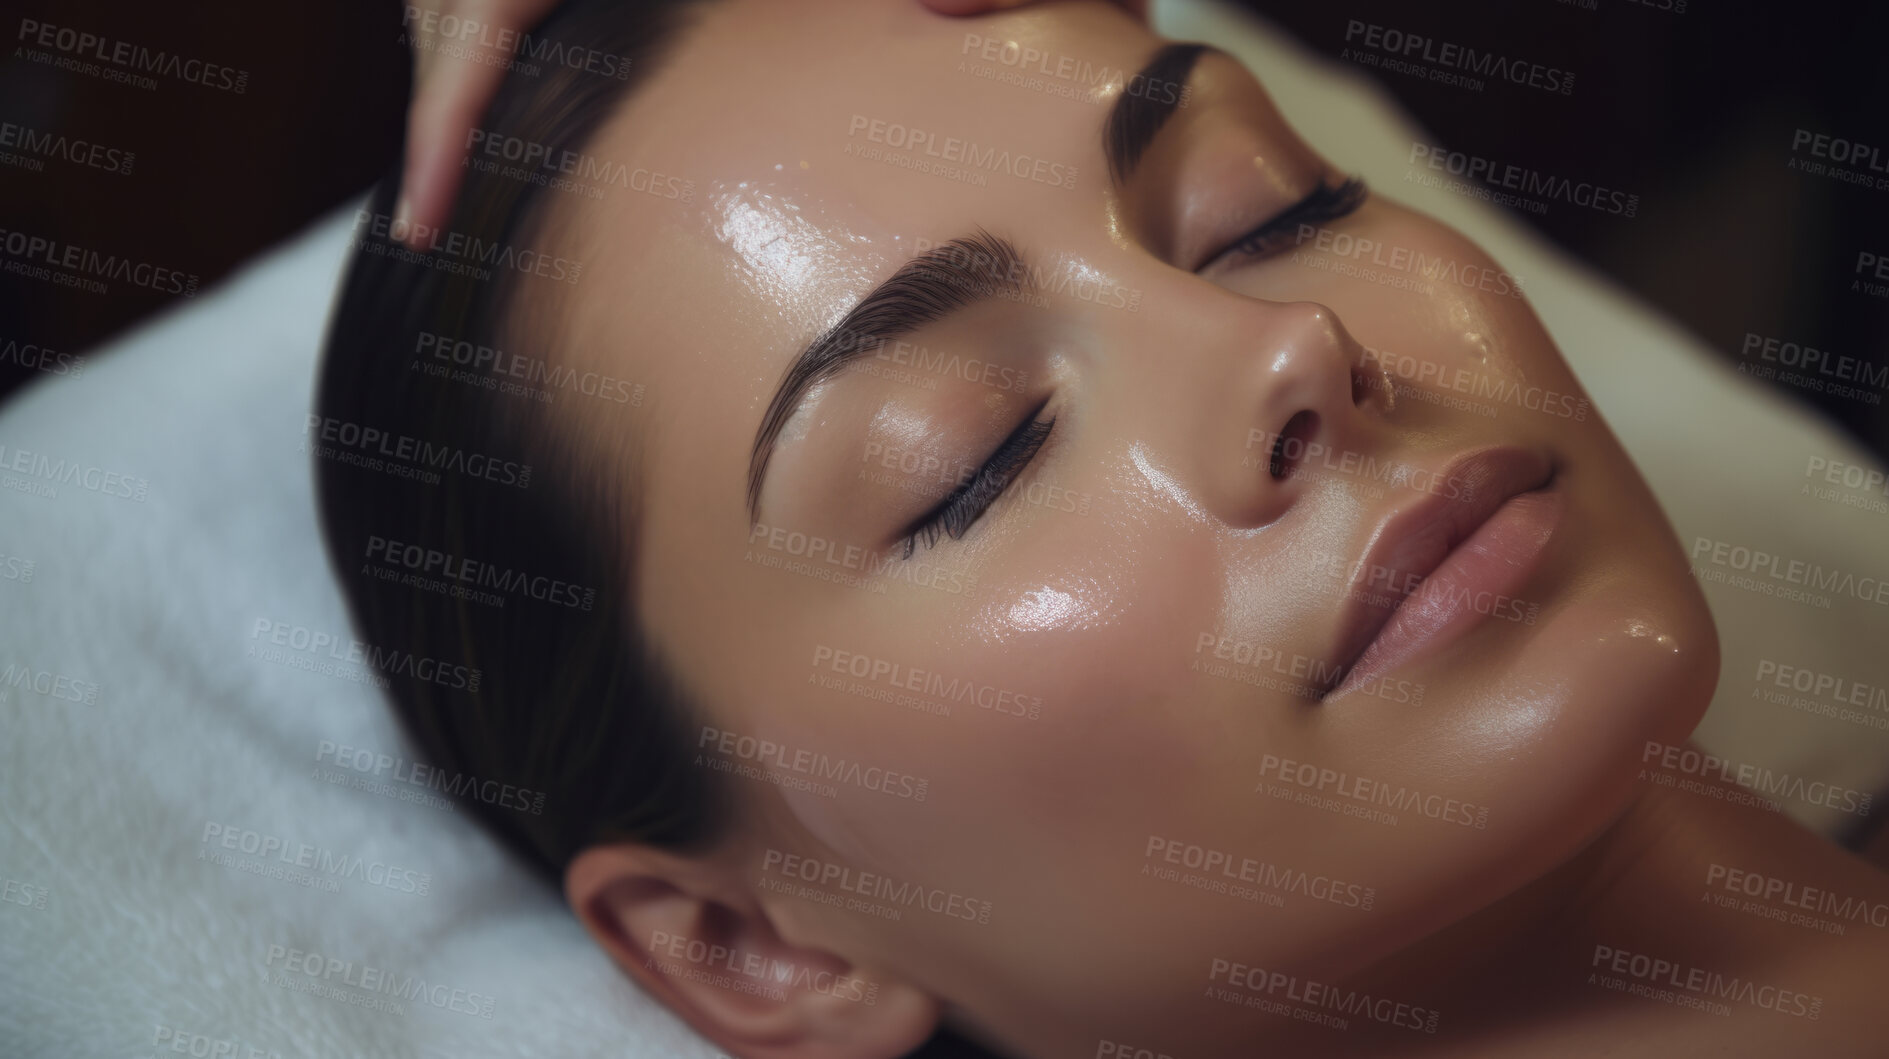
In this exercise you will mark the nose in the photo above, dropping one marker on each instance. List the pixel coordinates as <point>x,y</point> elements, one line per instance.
<point>1286,401</point>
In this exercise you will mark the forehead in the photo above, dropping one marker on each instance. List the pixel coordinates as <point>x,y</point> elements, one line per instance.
<point>798,153</point>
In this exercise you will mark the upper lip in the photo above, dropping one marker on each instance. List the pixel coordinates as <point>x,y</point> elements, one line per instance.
<point>1411,542</point>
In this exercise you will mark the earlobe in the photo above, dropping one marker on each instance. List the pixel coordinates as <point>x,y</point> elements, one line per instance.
<point>696,940</point>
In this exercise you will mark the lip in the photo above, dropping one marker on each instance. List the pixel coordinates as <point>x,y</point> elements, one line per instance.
<point>1444,560</point>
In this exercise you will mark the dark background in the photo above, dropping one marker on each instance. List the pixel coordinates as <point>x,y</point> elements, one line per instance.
<point>1694,111</point>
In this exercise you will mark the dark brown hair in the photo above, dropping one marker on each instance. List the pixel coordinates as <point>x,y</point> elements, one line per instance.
<point>525,679</point>
<point>513,587</point>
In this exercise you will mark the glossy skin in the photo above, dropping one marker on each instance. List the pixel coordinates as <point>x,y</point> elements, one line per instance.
<point>1099,613</point>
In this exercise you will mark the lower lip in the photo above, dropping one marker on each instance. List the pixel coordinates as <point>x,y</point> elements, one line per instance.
<point>1477,580</point>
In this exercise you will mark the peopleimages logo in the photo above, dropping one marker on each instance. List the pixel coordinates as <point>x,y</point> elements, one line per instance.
<point>35,256</point>
<point>1521,180</point>
<point>1778,570</point>
<point>424,563</point>
<point>1279,993</point>
<point>15,568</point>
<point>1303,459</point>
<point>1796,896</point>
<point>1264,665</point>
<point>1823,685</point>
<point>490,368</point>
<point>394,768</point>
<point>44,682</point>
<point>1403,259</point>
<point>766,971</point>
<point>538,163</point>
<point>1067,75</point>
<point>969,369</point>
<point>43,471</point>
<point>377,446</point>
<point>318,970</point>
<point>1815,369</point>
<point>969,154</point>
<point>39,145</point>
<point>1693,765</point>
<point>1422,374</point>
<point>34,357</point>
<point>171,1039</point>
<point>888,894</point>
<point>1861,164</point>
<point>1849,484</point>
<point>455,29</point>
<point>1362,791</point>
<point>1697,986</point>
<point>852,565</point>
<point>293,855</point>
<point>810,763</point>
<point>24,894</point>
<point>128,57</point>
<point>1839,150</point>
<point>1872,263</point>
<point>927,682</point>
<point>1447,56</point>
<point>1222,867</point>
<point>1383,586</point>
<point>460,253</point>
<point>1034,282</point>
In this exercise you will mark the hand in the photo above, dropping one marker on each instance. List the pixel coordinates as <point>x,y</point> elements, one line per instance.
<point>450,92</point>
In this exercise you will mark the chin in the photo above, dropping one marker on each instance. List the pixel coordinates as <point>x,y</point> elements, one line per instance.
<point>1609,675</point>
<point>1550,735</point>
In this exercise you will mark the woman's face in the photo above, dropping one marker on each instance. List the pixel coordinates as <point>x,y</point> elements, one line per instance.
<point>1086,721</point>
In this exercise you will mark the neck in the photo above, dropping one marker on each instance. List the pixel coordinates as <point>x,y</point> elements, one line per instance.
<point>1639,943</point>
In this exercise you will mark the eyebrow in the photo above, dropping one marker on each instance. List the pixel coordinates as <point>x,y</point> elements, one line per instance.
<point>937,283</point>
<point>952,276</point>
<point>1138,114</point>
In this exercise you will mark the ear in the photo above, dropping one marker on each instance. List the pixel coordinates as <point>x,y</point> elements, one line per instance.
<point>699,942</point>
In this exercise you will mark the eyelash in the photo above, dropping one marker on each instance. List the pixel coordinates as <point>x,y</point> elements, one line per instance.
<point>1328,202</point>
<point>967,503</point>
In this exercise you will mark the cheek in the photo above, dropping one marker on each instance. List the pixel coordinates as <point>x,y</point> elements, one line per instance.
<point>1098,614</point>
<point>1100,625</point>
<point>1053,702</point>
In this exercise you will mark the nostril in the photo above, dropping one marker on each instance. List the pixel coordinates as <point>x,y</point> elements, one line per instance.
<point>1291,444</point>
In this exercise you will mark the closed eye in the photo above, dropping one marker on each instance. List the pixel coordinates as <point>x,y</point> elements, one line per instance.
<point>954,515</point>
<point>1327,202</point>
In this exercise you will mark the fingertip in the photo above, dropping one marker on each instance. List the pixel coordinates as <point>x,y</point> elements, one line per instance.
<point>417,207</point>
<point>403,216</point>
